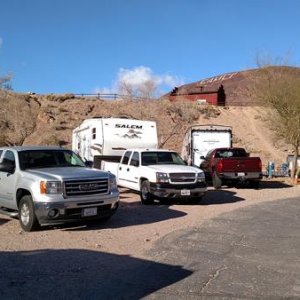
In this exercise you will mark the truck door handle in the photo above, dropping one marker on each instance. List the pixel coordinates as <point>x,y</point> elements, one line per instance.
<point>120,168</point>
<point>127,169</point>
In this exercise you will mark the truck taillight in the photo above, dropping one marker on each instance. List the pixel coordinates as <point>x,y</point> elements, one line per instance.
<point>219,166</point>
<point>260,164</point>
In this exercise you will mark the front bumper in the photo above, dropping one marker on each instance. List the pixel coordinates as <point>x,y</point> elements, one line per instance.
<point>72,209</point>
<point>168,190</point>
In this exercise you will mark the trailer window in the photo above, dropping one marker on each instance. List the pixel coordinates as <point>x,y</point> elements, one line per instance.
<point>94,133</point>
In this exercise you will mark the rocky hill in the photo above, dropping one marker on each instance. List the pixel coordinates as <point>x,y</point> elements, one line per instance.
<point>49,119</point>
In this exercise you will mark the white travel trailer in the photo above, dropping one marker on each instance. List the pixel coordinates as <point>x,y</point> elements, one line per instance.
<point>200,139</point>
<point>110,137</point>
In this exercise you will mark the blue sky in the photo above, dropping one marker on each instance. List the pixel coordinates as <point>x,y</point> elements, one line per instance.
<point>76,46</point>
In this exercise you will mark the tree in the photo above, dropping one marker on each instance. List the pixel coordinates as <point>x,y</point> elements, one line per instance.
<point>145,90</point>
<point>278,87</point>
<point>5,82</point>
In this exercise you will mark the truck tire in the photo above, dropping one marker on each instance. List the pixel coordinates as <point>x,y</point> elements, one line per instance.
<point>216,181</point>
<point>27,217</point>
<point>146,197</point>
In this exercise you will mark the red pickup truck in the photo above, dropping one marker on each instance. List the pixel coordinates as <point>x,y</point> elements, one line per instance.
<point>231,165</point>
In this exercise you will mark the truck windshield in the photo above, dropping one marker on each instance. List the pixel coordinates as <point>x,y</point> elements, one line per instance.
<point>161,158</point>
<point>34,159</point>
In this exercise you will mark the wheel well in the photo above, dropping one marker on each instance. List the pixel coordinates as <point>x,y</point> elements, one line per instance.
<point>21,193</point>
<point>142,179</point>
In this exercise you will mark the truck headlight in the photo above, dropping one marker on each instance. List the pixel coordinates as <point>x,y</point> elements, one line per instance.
<point>162,177</point>
<point>51,187</point>
<point>200,177</point>
<point>112,182</point>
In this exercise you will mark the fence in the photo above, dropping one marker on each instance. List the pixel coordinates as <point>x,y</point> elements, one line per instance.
<point>111,96</point>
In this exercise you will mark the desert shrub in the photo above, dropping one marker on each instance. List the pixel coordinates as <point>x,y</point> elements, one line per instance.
<point>209,111</point>
<point>51,140</point>
<point>59,98</point>
<point>61,128</point>
<point>3,140</point>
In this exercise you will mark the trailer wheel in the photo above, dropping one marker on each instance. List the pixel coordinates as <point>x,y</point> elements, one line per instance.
<point>216,181</point>
<point>146,197</point>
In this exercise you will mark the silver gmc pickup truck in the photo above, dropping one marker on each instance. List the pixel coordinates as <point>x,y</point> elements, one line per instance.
<point>51,185</point>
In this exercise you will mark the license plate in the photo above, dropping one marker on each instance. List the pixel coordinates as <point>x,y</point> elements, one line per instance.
<point>185,192</point>
<point>90,211</point>
<point>241,174</point>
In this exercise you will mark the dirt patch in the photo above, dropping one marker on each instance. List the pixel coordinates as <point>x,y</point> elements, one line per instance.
<point>134,228</point>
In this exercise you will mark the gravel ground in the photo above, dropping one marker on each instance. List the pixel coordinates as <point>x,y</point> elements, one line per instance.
<point>134,228</point>
<point>119,259</point>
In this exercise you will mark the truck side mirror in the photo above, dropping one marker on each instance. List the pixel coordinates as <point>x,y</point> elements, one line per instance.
<point>202,157</point>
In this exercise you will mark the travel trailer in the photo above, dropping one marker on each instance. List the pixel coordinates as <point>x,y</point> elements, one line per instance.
<point>200,139</point>
<point>108,138</point>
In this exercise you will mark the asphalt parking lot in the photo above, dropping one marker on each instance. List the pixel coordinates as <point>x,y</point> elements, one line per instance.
<point>251,253</point>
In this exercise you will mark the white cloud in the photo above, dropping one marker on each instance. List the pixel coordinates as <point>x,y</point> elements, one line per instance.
<point>138,76</point>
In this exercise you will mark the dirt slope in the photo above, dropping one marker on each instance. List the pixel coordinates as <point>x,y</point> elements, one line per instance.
<point>50,119</point>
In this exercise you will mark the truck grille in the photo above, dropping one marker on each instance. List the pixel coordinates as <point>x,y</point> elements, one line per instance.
<point>86,187</point>
<point>182,177</point>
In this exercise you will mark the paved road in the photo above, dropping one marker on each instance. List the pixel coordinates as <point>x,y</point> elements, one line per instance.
<point>249,253</point>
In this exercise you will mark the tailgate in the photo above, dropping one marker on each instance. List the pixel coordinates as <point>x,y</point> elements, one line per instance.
<point>243,164</point>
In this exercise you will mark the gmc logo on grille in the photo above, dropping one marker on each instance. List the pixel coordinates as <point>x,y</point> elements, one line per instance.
<point>88,187</point>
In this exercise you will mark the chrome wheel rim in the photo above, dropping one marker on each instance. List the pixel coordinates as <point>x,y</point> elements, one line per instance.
<point>25,214</point>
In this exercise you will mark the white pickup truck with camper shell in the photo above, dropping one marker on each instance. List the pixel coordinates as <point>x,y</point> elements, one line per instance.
<point>156,174</point>
<point>51,185</point>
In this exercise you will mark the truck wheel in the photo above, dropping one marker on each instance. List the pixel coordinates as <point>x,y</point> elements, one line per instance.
<point>216,181</point>
<point>146,197</point>
<point>27,217</point>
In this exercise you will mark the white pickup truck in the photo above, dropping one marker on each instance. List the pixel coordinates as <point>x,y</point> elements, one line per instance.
<point>51,185</point>
<point>157,174</point>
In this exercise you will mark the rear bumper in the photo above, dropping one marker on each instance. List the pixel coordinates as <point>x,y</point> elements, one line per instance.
<point>167,190</point>
<point>241,176</point>
<point>69,211</point>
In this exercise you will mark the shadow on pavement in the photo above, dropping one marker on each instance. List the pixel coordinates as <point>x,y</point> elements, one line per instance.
<point>268,184</point>
<point>3,221</point>
<point>220,197</point>
<point>82,274</point>
<point>129,214</point>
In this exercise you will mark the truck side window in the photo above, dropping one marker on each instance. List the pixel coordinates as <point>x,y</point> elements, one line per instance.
<point>9,158</point>
<point>94,133</point>
<point>126,157</point>
<point>135,159</point>
<point>1,152</point>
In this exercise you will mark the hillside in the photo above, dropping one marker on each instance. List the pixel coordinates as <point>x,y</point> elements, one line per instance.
<point>235,85</point>
<point>50,119</point>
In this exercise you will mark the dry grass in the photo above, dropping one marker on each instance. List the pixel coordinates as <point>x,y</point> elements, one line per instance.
<point>49,119</point>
